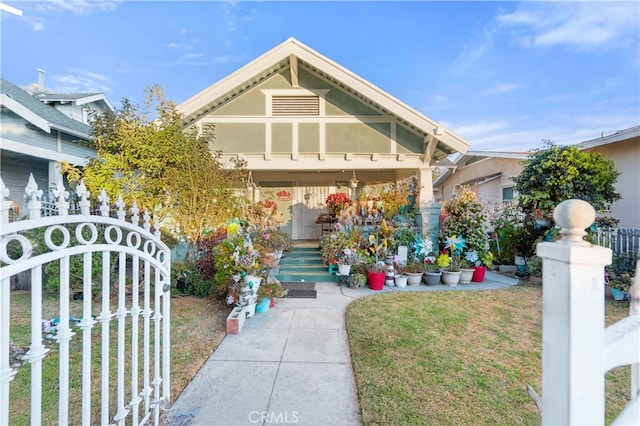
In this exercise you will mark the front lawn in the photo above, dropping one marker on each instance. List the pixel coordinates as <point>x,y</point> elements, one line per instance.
<point>456,357</point>
<point>197,327</point>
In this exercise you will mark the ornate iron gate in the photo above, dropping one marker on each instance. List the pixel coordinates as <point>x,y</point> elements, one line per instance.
<point>123,266</point>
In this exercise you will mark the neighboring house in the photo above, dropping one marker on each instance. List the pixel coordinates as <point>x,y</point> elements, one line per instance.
<point>489,173</point>
<point>486,173</point>
<point>307,126</point>
<point>623,148</point>
<point>38,130</point>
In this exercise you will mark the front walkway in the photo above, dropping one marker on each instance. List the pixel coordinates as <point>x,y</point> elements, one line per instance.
<point>291,365</point>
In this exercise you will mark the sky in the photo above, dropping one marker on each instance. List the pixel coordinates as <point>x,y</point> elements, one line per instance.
<point>505,75</point>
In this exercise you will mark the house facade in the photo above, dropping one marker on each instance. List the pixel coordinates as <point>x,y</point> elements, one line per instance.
<point>623,148</point>
<point>307,127</point>
<point>38,130</point>
<point>489,174</point>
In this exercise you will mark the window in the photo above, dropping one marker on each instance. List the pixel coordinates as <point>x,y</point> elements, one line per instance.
<point>507,193</point>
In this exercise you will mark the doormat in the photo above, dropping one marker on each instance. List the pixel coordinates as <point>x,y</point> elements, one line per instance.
<point>299,290</point>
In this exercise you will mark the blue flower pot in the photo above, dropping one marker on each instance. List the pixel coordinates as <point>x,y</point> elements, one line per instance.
<point>263,306</point>
<point>618,295</point>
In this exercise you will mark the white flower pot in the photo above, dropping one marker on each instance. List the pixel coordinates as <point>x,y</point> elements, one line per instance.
<point>401,280</point>
<point>415,278</point>
<point>466,275</point>
<point>344,269</point>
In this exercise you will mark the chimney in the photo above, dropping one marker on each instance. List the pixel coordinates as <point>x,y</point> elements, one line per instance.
<point>40,80</point>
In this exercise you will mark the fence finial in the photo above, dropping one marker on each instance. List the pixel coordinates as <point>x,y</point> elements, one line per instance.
<point>135,218</point>
<point>573,217</point>
<point>61,196</point>
<point>84,194</point>
<point>146,218</point>
<point>104,203</point>
<point>120,213</point>
<point>33,195</point>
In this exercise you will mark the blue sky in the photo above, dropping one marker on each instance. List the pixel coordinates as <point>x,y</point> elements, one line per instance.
<point>503,75</point>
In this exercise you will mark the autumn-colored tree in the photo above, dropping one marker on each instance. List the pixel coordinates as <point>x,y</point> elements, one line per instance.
<point>145,155</point>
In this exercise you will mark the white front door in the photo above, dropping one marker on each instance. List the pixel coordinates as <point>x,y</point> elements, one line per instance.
<point>307,204</point>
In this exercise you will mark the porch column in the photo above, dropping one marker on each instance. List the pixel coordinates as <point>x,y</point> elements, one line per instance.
<point>428,214</point>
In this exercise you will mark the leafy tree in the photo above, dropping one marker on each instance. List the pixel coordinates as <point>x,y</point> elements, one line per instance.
<point>557,173</point>
<point>145,155</point>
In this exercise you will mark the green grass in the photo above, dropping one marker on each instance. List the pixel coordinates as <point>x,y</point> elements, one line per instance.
<point>197,327</point>
<point>462,358</point>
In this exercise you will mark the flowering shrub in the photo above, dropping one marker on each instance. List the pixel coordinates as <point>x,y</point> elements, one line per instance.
<point>336,202</point>
<point>466,218</point>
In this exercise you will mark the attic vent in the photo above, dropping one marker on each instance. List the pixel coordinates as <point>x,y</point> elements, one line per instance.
<point>295,105</point>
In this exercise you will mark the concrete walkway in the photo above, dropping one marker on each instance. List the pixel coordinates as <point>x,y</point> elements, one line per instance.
<point>290,365</point>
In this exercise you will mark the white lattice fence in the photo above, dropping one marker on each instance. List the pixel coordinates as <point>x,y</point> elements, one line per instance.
<point>127,267</point>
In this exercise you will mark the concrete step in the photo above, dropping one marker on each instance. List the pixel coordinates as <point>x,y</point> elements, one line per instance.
<point>304,263</point>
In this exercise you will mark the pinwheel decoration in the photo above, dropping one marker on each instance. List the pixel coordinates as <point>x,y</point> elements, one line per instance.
<point>423,247</point>
<point>455,244</point>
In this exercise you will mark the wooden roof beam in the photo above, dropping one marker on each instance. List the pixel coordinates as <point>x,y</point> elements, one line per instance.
<point>430,145</point>
<point>293,62</point>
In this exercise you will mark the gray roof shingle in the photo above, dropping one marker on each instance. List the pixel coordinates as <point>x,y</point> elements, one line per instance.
<point>55,118</point>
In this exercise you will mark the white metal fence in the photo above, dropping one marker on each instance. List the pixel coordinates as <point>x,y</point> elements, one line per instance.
<point>621,241</point>
<point>577,349</point>
<point>125,361</point>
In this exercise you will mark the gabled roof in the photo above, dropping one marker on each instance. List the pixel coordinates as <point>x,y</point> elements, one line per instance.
<point>280,57</point>
<point>472,157</point>
<point>75,98</point>
<point>620,135</point>
<point>40,115</point>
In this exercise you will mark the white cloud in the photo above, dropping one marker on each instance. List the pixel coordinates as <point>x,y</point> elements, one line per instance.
<point>472,52</point>
<point>580,25</point>
<point>473,130</point>
<point>77,7</point>
<point>439,99</point>
<point>500,88</point>
<point>81,81</point>
<point>36,24</point>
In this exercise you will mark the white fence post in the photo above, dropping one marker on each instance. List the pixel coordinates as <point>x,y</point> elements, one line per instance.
<point>573,320</point>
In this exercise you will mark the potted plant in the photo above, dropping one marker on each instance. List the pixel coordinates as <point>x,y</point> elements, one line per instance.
<point>376,275</point>
<point>267,293</point>
<point>620,274</point>
<point>466,271</point>
<point>450,273</point>
<point>400,276</point>
<point>346,258</point>
<point>414,271</point>
<point>358,277</point>
<point>336,202</point>
<point>432,273</point>
<point>534,267</point>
